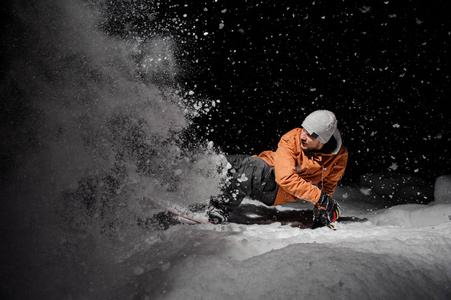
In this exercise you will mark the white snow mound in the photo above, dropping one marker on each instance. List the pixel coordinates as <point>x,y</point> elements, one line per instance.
<point>442,189</point>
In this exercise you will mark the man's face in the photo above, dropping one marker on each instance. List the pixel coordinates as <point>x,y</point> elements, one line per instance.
<point>308,143</point>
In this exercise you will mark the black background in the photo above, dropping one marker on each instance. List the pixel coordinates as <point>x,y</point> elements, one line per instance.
<point>381,66</point>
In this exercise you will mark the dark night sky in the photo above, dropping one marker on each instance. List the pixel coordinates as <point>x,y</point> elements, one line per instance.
<point>381,66</point>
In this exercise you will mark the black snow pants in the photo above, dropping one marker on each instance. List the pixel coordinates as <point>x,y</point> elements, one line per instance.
<point>252,177</point>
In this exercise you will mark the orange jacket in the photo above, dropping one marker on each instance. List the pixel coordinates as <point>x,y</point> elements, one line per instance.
<point>302,175</point>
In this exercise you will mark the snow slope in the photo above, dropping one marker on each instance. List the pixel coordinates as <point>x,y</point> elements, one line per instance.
<point>402,252</point>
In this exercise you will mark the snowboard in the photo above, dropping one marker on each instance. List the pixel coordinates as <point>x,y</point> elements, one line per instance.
<point>249,214</point>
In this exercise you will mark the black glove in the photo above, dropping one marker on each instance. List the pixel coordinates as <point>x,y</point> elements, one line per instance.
<point>326,210</point>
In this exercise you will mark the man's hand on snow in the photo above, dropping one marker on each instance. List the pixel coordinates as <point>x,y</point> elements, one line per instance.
<point>326,210</point>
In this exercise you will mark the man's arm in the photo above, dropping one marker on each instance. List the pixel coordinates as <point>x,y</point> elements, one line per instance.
<point>285,171</point>
<point>329,183</point>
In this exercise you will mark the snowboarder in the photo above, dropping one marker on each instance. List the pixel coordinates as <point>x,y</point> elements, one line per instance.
<point>307,165</point>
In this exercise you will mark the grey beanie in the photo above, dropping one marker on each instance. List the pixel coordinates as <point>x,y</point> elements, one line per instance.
<point>321,125</point>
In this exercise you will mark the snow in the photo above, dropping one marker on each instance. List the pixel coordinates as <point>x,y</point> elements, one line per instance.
<point>442,189</point>
<point>401,252</point>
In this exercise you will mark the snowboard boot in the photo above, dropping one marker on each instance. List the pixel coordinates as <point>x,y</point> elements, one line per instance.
<point>217,215</point>
<point>219,209</point>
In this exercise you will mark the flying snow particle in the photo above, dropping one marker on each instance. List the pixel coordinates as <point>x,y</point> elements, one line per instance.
<point>365,9</point>
<point>365,191</point>
<point>242,178</point>
<point>164,266</point>
<point>138,271</point>
<point>393,167</point>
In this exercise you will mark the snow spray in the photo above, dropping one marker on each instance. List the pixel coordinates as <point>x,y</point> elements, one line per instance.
<point>93,124</point>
